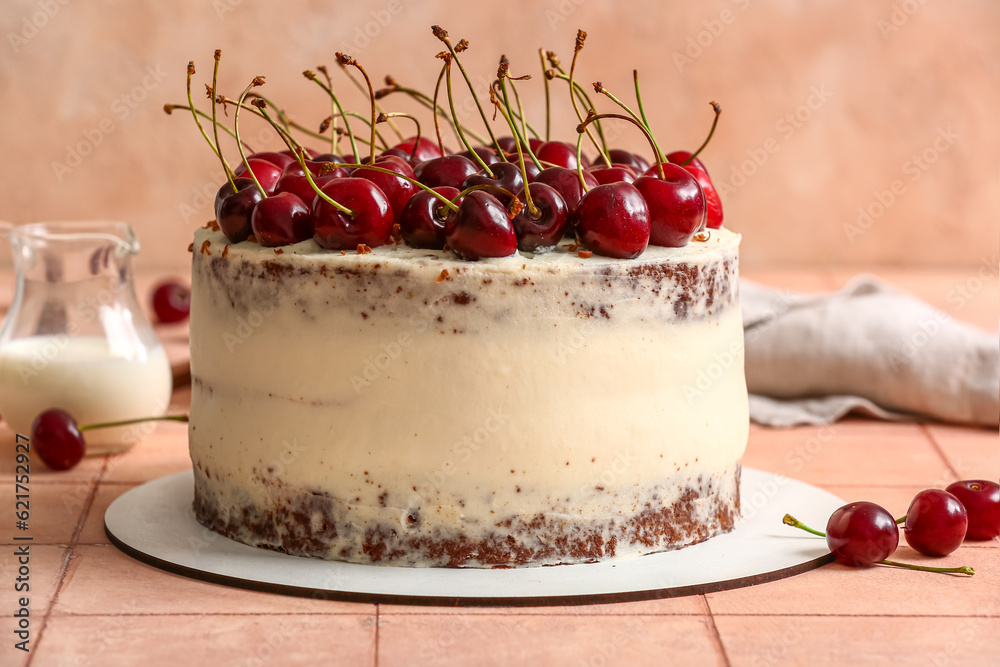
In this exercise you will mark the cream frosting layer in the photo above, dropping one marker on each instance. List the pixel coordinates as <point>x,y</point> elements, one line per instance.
<point>407,383</point>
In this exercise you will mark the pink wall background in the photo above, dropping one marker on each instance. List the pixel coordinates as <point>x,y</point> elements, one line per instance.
<point>852,133</point>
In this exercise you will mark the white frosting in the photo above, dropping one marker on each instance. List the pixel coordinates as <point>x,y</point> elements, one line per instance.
<point>516,402</point>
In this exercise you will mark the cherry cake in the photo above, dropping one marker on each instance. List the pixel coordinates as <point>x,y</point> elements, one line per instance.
<point>405,407</point>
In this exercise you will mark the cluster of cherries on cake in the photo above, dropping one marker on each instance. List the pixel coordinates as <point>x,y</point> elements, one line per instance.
<point>937,522</point>
<point>514,193</point>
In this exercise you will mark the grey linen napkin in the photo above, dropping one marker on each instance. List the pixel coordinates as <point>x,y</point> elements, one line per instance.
<point>867,349</point>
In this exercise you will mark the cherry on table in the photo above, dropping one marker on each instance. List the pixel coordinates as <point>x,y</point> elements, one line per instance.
<point>171,302</point>
<point>57,440</point>
<point>981,499</point>
<point>480,228</point>
<point>613,220</point>
<point>422,220</point>
<point>281,219</point>
<point>861,533</point>
<point>936,523</point>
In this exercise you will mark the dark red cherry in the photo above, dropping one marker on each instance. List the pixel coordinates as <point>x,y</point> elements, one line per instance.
<point>426,149</point>
<point>613,220</point>
<point>676,205</point>
<point>279,159</point>
<point>370,225</point>
<point>981,499</point>
<point>398,190</point>
<point>480,228</point>
<point>613,174</point>
<point>508,144</point>
<point>557,153</point>
<point>450,171</point>
<point>234,210</point>
<point>567,183</point>
<point>529,167</point>
<point>487,155</point>
<point>935,523</point>
<point>422,221</point>
<point>267,173</point>
<point>619,156</point>
<point>56,438</point>
<point>861,533</point>
<point>281,219</point>
<point>549,227</point>
<point>293,180</point>
<point>396,152</point>
<point>171,302</point>
<point>507,175</point>
<point>713,219</point>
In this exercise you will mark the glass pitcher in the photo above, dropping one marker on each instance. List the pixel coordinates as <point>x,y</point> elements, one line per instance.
<point>75,337</point>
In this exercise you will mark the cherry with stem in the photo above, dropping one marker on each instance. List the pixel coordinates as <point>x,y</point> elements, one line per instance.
<point>789,520</point>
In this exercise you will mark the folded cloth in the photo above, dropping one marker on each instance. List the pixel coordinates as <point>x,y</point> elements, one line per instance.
<point>866,349</point>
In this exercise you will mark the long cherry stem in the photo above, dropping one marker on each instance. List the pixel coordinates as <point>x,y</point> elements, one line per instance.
<point>170,108</point>
<point>215,123</point>
<point>601,90</point>
<point>461,135</point>
<point>194,112</point>
<point>548,102</point>
<point>334,136</point>
<point>533,211</point>
<point>384,117</point>
<point>426,102</point>
<point>435,107</point>
<point>309,74</point>
<point>581,36</point>
<point>257,81</point>
<point>127,422</point>
<point>345,61</point>
<point>715,121</point>
<point>299,153</point>
<point>378,107</point>
<point>442,35</point>
<point>591,117</point>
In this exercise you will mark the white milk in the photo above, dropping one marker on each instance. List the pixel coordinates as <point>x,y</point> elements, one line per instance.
<point>82,376</point>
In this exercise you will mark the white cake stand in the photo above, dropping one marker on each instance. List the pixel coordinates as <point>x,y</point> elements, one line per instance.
<point>155,524</point>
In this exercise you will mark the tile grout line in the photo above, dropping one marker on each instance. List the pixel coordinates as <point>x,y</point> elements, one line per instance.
<point>378,619</point>
<point>939,450</point>
<point>70,552</point>
<point>715,632</point>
